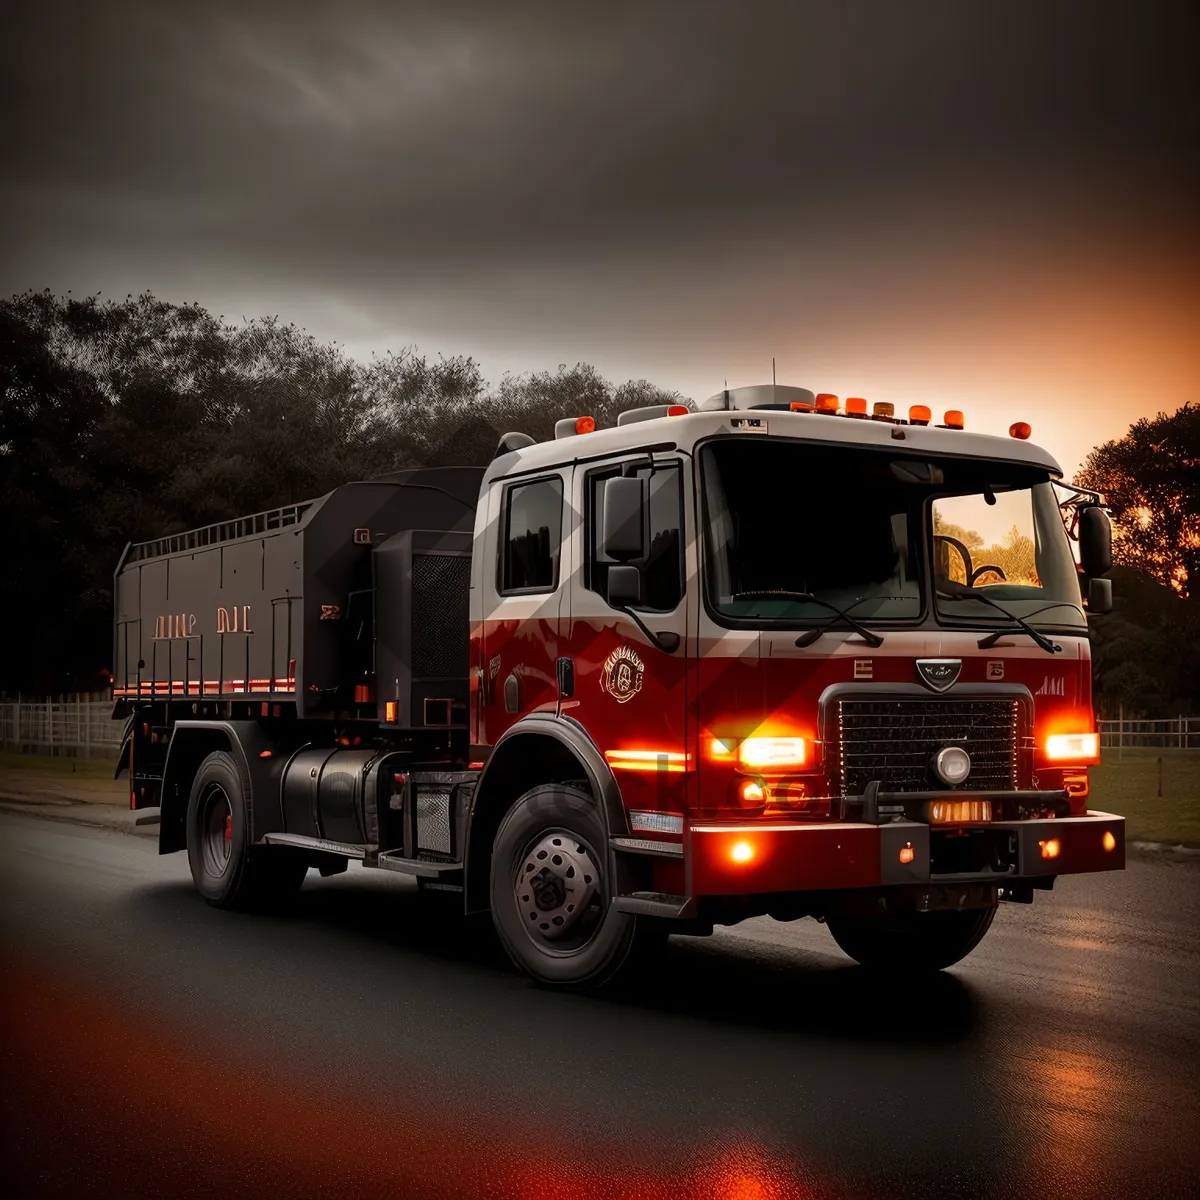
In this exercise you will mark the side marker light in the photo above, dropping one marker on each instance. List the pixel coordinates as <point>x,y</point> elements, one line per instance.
<point>1110,842</point>
<point>907,853</point>
<point>742,852</point>
<point>1020,429</point>
<point>1051,848</point>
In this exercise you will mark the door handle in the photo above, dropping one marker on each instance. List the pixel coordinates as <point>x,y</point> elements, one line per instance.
<point>565,670</point>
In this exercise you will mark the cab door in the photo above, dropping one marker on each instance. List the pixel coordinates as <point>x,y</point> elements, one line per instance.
<point>629,693</point>
<point>526,568</point>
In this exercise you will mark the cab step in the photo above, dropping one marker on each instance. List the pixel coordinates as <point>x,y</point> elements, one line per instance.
<point>443,872</point>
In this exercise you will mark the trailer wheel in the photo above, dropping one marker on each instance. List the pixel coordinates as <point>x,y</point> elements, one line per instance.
<point>551,896</point>
<point>227,870</point>
<point>911,941</point>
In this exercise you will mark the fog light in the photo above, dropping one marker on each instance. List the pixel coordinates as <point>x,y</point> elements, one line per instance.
<point>952,764</point>
<point>1110,842</point>
<point>1050,849</point>
<point>741,852</point>
<point>752,792</point>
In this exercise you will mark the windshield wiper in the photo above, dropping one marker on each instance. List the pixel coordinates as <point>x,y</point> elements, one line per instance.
<point>807,639</point>
<point>1018,626</point>
<point>868,635</point>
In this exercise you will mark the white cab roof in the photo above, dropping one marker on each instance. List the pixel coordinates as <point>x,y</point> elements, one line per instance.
<point>686,431</point>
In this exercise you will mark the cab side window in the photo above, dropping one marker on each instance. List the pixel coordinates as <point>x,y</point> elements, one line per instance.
<point>532,536</point>
<point>662,567</point>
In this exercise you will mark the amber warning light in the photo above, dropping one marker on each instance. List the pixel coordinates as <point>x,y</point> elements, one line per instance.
<point>1073,747</point>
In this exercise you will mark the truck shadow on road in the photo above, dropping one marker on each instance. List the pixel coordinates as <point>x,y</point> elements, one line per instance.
<point>737,981</point>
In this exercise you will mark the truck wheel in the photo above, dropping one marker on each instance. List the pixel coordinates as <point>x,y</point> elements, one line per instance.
<point>911,941</point>
<point>227,870</point>
<point>550,892</point>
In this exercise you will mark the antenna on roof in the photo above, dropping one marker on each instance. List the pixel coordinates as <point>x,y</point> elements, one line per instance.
<point>772,370</point>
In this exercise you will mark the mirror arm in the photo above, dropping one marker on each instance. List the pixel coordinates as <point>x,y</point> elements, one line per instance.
<point>667,642</point>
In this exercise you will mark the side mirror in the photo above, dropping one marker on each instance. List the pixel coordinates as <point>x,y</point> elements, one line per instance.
<point>1099,597</point>
<point>624,520</point>
<point>624,586</point>
<point>1095,541</point>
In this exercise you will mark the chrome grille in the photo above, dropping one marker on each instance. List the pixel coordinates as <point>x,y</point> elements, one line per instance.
<point>894,741</point>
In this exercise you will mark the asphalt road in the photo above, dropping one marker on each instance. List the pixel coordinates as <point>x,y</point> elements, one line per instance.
<point>364,1043</point>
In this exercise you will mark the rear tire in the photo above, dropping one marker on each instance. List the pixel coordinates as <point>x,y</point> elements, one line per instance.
<point>909,941</point>
<point>227,870</point>
<point>551,895</point>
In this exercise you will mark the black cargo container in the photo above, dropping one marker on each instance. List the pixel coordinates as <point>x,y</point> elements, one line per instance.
<point>353,605</point>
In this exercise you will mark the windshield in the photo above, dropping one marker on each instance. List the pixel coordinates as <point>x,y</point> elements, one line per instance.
<point>787,520</point>
<point>793,528</point>
<point>1012,550</point>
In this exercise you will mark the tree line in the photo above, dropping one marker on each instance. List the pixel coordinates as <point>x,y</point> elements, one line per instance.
<point>125,420</point>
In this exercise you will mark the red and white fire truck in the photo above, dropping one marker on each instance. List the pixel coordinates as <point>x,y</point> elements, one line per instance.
<point>779,655</point>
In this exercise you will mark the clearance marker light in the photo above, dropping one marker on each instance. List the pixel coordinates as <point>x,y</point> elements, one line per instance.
<point>741,852</point>
<point>919,414</point>
<point>585,424</point>
<point>953,419</point>
<point>907,853</point>
<point>265,753</point>
<point>391,711</point>
<point>827,403</point>
<point>1051,848</point>
<point>722,749</point>
<point>1073,747</point>
<point>1110,842</point>
<point>884,410</point>
<point>677,410</point>
<point>1020,429</point>
<point>800,406</point>
<point>856,406</point>
<point>766,754</point>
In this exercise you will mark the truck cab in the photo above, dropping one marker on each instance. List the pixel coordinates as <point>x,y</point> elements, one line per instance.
<point>815,690</point>
<point>774,655</point>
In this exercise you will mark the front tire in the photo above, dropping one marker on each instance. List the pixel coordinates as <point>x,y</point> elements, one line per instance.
<point>551,895</point>
<point>910,941</point>
<point>227,870</point>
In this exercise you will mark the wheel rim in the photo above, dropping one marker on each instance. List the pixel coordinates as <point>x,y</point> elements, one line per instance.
<point>559,892</point>
<point>216,830</point>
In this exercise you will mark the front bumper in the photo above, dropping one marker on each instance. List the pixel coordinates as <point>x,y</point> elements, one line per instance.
<point>751,859</point>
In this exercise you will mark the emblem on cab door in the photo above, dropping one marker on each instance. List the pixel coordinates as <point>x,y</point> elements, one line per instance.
<point>938,674</point>
<point>621,674</point>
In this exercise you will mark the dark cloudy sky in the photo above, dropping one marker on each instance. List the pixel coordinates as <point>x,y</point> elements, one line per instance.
<point>987,204</point>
